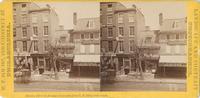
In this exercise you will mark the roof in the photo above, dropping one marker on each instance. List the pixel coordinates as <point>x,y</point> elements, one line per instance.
<point>173,59</point>
<point>83,24</point>
<point>125,10</point>
<point>40,9</point>
<point>87,58</point>
<point>174,25</point>
<point>66,45</point>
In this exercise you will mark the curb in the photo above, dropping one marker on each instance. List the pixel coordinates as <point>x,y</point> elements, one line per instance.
<point>146,81</point>
<point>67,81</point>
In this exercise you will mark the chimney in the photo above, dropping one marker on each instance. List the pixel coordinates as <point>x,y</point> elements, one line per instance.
<point>74,18</point>
<point>134,6</point>
<point>160,19</point>
<point>48,6</point>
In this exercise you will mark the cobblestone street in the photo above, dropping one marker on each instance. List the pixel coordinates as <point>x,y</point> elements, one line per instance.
<point>149,83</point>
<point>56,86</point>
<point>143,86</point>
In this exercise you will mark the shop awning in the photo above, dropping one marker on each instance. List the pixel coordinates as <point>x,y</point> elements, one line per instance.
<point>173,59</point>
<point>87,58</point>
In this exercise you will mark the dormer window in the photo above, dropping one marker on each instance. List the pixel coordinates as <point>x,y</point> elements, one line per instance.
<point>175,24</point>
<point>90,24</point>
<point>82,36</point>
<point>23,5</point>
<point>109,5</point>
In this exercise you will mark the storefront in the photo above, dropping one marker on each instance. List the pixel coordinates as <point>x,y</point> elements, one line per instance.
<point>86,66</point>
<point>41,62</point>
<point>125,61</point>
<point>172,66</point>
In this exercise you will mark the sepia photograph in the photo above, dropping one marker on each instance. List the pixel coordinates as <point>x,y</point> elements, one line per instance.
<point>100,46</point>
<point>56,46</point>
<point>143,46</point>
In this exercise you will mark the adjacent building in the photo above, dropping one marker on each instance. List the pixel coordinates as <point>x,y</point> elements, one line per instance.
<point>121,33</point>
<point>150,50</point>
<point>172,40</point>
<point>86,38</point>
<point>33,31</point>
<point>65,49</point>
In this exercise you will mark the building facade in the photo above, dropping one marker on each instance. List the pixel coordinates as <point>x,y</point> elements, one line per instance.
<point>172,39</point>
<point>86,37</point>
<point>65,49</point>
<point>120,34</point>
<point>150,50</point>
<point>33,31</point>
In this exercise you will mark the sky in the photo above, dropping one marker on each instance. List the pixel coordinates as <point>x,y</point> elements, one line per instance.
<point>150,10</point>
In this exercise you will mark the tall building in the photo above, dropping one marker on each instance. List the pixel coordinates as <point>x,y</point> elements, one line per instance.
<point>172,39</point>
<point>121,29</point>
<point>86,37</point>
<point>33,31</point>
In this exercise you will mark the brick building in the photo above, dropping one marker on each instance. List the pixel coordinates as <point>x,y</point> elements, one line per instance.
<point>33,31</point>
<point>86,37</point>
<point>121,29</point>
<point>172,39</point>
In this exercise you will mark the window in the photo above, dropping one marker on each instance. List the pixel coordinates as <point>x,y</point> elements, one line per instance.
<point>46,30</point>
<point>121,46</point>
<point>82,36</point>
<point>110,45</point>
<point>90,24</point>
<point>132,29</point>
<point>91,35</point>
<point>14,32</point>
<point>92,48</point>
<point>15,45</point>
<point>24,19</point>
<point>14,18</point>
<point>35,31</point>
<point>82,49</point>
<point>45,17</point>
<point>177,36</point>
<point>63,39</point>
<point>121,31</point>
<point>120,18</point>
<point>131,45</point>
<point>148,40</point>
<point>101,31</point>
<point>175,24</point>
<point>131,17</point>
<point>177,49</point>
<point>46,43</point>
<point>185,35</point>
<point>24,46</point>
<point>24,31</point>
<point>109,20</point>
<point>110,32</point>
<point>168,37</point>
<point>168,49</point>
<point>23,5</point>
<point>35,45</point>
<point>109,7</point>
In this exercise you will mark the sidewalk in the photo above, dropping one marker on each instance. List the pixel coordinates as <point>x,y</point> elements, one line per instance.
<point>148,77</point>
<point>62,77</point>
